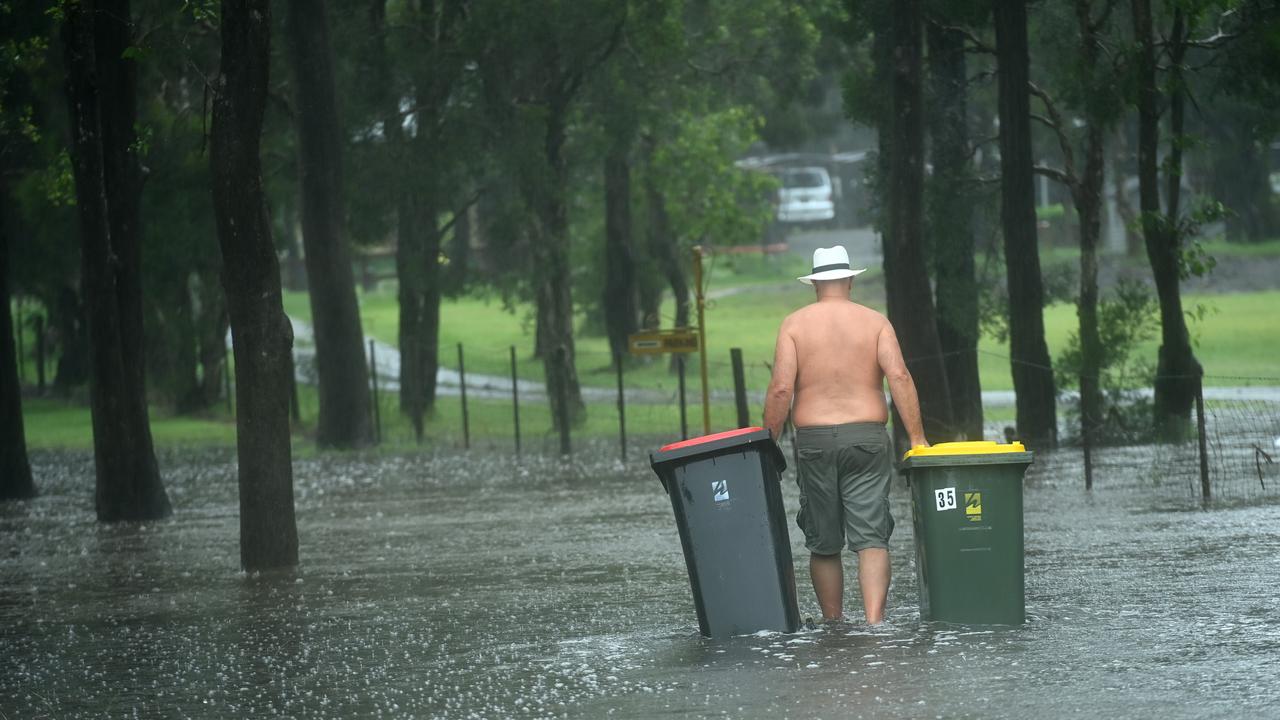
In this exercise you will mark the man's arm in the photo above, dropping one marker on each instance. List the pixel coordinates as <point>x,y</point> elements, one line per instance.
<point>901,386</point>
<point>777,401</point>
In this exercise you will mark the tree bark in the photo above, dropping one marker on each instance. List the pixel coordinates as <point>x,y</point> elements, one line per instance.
<point>341,369</point>
<point>1031,367</point>
<point>1177,370</point>
<point>554,298</point>
<point>619,301</point>
<point>908,295</point>
<point>15,469</point>
<point>665,251</point>
<point>128,478</point>
<point>1088,201</point>
<point>952,228</point>
<point>261,335</point>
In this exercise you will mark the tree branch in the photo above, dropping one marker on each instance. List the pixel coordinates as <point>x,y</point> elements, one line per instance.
<point>976,42</point>
<point>1054,174</point>
<point>1059,127</point>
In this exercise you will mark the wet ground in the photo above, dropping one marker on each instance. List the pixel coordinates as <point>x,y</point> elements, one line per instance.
<point>458,587</point>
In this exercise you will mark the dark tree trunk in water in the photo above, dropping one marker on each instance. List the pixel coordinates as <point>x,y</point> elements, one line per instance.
<point>1088,201</point>
<point>619,301</point>
<point>128,479</point>
<point>1032,369</point>
<point>910,299</point>
<point>952,228</point>
<point>341,369</point>
<point>262,337</point>
<point>1177,370</point>
<point>1086,194</point>
<point>15,469</point>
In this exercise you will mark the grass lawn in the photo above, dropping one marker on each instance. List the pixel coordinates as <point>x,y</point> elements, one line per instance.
<point>1236,340</point>
<point>1236,345</point>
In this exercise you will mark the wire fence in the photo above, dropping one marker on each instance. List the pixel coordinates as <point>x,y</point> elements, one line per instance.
<point>647,403</point>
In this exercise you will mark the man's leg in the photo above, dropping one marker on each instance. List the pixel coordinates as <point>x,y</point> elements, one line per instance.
<point>873,578</point>
<point>828,584</point>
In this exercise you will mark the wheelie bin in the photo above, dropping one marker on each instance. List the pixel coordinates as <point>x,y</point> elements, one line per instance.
<point>725,492</point>
<point>966,504</point>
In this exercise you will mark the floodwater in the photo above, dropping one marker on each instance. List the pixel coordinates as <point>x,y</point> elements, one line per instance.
<point>458,586</point>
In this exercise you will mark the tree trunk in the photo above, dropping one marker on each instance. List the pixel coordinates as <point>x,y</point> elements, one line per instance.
<point>619,301</point>
<point>1177,370</point>
<point>261,335</point>
<point>1088,201</point>
<point>73,335</point>
<point>15,469</point>
<point>554,298</point>
<point>909,297</point>
<point>664,249</point>
<point>211,337</point>
<point>341,370</point>
<point>128,479</point>
<point>952,228</point>
<point>1032,369</point>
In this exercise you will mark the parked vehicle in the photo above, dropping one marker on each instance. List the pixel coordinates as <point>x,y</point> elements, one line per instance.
<point>806,195</point>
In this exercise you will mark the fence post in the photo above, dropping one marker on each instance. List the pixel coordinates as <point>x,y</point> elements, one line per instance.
<point>562,401</point>
<point>1086,437</point>
<point>684,419</point>
<point>373,377</point>
<point>39,352</point>
<point>740,387</point>
<point>515,398</point>
<point>1204,443</point>
<point>462,383</point>
<point>622,408</point>
<point>294,409</point>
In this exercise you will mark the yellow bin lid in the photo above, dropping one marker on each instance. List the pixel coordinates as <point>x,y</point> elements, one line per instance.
<point>975,447</point>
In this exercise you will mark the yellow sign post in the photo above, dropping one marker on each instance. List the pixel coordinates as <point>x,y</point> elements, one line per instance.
<point>682,340</point>
<point>702,336</point>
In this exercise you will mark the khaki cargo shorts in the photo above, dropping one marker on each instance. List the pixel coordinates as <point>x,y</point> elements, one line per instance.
<point>844,473</point>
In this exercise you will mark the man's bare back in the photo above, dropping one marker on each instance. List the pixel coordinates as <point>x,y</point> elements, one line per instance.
<point>838,375</point>
<point>832,357</point>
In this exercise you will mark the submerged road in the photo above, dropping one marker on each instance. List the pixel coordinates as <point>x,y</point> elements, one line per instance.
<point>475,585</point>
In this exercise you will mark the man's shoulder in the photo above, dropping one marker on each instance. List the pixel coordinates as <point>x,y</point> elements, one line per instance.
<point>869,314</point>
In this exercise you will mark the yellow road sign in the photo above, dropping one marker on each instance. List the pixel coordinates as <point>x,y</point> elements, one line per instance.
<point>656,342</point>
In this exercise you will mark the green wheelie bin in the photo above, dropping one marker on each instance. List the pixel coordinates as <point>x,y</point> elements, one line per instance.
<point>966,504</point>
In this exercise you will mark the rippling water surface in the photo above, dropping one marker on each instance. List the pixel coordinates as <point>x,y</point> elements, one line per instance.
<point>460,586</point>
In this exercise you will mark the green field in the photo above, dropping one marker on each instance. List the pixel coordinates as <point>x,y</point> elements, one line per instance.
<point>1236,345</point>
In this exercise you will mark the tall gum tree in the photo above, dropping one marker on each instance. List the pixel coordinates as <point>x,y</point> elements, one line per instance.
<point>261,335</point>
<point>951,200</point>
<point>15,470</point>
<point>1033,383</point>
<point>908,294</point>
<point>128,477</point>
<point>341,369</point>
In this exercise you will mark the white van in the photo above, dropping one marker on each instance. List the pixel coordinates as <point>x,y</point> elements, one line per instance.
<point>806,195</point>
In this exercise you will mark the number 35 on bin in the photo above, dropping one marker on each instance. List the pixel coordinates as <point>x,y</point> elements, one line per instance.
<point>946,498</point>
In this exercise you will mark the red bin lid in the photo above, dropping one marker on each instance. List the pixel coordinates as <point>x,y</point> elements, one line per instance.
<point>710,438</point>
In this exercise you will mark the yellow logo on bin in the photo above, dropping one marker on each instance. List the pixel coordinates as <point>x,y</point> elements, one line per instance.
<point>973,506</point>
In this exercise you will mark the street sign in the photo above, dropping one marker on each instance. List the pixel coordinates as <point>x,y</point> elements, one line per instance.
<point>657,342</point>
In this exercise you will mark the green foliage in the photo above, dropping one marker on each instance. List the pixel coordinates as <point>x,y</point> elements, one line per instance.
<point>710,199</point>
<point>1127,320</point>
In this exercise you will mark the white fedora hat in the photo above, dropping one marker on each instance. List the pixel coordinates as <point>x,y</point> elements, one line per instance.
<point>830,264</point>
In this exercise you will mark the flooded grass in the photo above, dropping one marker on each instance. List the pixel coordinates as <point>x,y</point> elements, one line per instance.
<point>451,585</point>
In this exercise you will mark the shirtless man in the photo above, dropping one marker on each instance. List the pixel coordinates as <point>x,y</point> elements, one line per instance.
<point>832,357</point>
